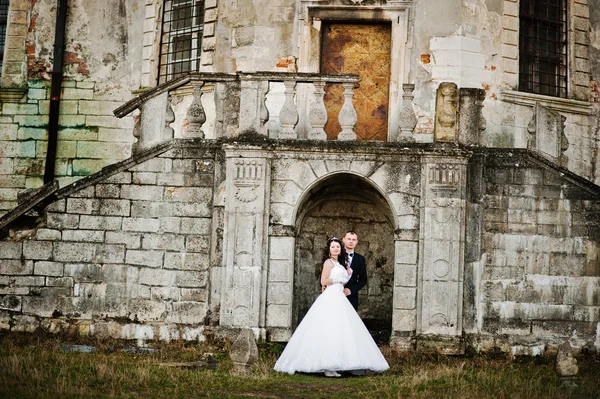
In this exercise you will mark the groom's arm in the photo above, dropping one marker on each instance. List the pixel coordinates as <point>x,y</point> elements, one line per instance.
<point>361,278</point>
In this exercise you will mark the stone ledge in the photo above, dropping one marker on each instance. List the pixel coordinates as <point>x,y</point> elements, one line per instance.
<point>10,95</point>
<point>555,103</point>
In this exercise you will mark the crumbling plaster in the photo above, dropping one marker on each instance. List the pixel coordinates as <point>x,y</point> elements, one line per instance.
<point>94,50</point>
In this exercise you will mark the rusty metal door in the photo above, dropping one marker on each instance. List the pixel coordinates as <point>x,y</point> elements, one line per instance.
<point>363,49</point>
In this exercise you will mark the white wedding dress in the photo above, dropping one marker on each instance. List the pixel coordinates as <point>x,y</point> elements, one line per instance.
<point>331,337</point>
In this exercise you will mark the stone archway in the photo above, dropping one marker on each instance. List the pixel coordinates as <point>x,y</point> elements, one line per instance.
<point>337,204</point>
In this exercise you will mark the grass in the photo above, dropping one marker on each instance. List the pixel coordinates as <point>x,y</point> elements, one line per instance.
<point>35,366</point>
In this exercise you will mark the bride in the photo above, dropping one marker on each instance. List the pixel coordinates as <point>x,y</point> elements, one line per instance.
<point>331,337</point>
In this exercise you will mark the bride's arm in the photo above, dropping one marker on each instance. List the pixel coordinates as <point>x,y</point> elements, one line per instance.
<point>327,266</point>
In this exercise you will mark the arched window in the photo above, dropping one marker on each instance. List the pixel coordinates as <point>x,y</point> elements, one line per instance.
<point>181,39</point>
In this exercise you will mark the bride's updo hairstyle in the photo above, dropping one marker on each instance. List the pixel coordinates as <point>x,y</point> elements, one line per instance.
<point>343,255</point>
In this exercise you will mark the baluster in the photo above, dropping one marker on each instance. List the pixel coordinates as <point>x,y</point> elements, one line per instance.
<point>347,116</point>
<point>169,118</point>
<point>408,119</point>
<point>288,117</point>
<point>318,114</point>
<point>264,112</point>
<point>195,114</point>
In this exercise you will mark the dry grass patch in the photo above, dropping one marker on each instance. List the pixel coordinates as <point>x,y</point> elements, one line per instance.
<point>35,366</point>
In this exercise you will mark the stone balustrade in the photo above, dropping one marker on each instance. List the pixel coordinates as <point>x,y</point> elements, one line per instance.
<point>240,106</point>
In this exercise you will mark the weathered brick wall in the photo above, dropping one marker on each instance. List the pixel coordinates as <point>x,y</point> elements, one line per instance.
<point>100,73</point>
<point>119,255</point>
<point>540,243</point>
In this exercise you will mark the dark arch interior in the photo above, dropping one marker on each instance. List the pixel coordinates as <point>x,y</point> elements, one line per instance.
<point>340,203</point>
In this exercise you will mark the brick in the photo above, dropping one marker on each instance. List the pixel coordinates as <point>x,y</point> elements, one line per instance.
<point>8,132</point>
<point>74,252</point>
<point>141,224</point>
<point>37,250</point>
<point>142,192</point>
<point>100,222</point>
<point>199,226</point>
<point>130,240</point>
<point>31,120</point>
<point>71,121</point>
<point>35,133</point>
<point>11,250</point>
<point>83,235</point>
<point>48,268</point>
<point>16,267</point>
<point>48,234</point>
<point>76,134</point>
<point>59,282</point>
<point>86,167</point>
<point>98,107</point>
<point>103,150</point>
<point>115,207</point>
<point>84,273</point>
<point>191,209</point>
<point>84,206</point>
<point>70,93</point>
<point>144,258</point>
<point>28,281</point>
<point>147,178</point>
<point>12,181</point>
<point>110,122</point>
<point>110,253</point>
<point>169,242</point>
<point>188,194</point>
<point>24,149</point>
<point>510,23</point>
<point>191,279</point>
<point>108,191</point>
<point>115,135</point>
<point>199,244</point>
<point>19,108</point>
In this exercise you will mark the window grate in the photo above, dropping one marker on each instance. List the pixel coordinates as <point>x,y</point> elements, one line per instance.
<point>543,47</point>
<point>3,23</point>
<point>181,40</point>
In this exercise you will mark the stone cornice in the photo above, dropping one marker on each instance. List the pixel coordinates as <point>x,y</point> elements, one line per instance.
<point>555,103</point>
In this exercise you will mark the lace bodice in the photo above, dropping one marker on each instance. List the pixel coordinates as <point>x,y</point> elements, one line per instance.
<point>337,270</point>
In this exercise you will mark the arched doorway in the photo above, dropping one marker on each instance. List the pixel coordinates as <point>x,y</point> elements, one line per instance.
<point>337,204</point>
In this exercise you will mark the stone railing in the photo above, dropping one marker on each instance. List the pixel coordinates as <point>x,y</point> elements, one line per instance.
<point>239,105</point>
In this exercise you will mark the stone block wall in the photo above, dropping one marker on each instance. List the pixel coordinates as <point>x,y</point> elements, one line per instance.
<point>89,137</point>
<point>120,257</point>
<point>539,253</point>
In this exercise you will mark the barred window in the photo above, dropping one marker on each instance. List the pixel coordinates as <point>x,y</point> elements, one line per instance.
<point>543,47</point>
<point>3,21</point>
<point>181,39</point>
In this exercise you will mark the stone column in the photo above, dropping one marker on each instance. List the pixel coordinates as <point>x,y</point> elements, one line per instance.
<point>446,105</point>
<point>280,291</point>
<point>470,121</point>
<point>245,237</point>
<point>441,260</point>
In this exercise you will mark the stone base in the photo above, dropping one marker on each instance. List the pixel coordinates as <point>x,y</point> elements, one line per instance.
<point>279,334</point>
<point>443,345</point>
<point>402,343</point>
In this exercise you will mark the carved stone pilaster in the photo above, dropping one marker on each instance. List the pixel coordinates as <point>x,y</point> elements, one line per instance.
<point>195,115</point>
<point>446,105</point>
<point>442,233</point>
<point>471,121</point>
<point>318,114</point>
<point>288,116</point>
<point>547,134</point>
<point>408,119</point>
<point>169,118</point>
<point>245,238</point>
<point>348,117</point>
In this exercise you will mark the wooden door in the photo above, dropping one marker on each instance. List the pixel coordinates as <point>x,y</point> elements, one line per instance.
<point>363,49</point>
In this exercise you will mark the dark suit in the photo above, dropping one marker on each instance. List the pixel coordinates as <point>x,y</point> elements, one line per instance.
<point>358,279</point>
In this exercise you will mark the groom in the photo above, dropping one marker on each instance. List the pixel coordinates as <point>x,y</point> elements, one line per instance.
<point>359,269</point>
